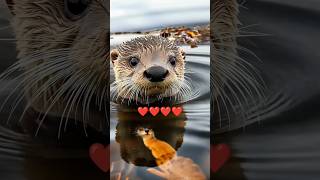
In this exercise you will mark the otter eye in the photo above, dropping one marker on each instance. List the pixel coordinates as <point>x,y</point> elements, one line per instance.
<point>75,9</point>
<point>134,61</point>
<point>172,60</point>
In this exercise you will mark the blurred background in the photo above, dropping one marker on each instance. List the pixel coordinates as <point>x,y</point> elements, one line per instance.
<point>285,143</point>
<point>137,15</point>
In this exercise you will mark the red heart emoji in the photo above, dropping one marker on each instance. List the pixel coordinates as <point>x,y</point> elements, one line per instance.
<point>220,154</point>
<point>99,154</point>
<point>154,110</point>
<point>165,110</point>
<point>177,111</point>
<point>142,111</point>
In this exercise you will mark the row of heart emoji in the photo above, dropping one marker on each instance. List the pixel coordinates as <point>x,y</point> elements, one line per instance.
<point>164,110</point>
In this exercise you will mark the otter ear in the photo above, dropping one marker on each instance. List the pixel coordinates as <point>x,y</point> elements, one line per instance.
<point>114,55</point>
<point>183,54</point>
<point>10,4</point>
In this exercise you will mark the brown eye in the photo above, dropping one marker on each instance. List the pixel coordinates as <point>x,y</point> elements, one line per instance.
<point>75,9</point>
<point>172,60</point>
<point>134,61</point>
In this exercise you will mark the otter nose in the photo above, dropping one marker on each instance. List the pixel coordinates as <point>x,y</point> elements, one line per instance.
<point>156,73</point>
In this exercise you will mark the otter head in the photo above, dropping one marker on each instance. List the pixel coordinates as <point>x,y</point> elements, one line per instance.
<point>148,67</point>
<point>145,133</point>
<point>63,49</point>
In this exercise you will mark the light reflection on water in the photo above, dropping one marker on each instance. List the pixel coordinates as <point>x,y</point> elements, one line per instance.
<point>193,138</point>
<point>44,157</point>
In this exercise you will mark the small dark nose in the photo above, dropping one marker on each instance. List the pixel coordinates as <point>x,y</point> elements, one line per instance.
<point>146,130</point>
<point>156,73</point>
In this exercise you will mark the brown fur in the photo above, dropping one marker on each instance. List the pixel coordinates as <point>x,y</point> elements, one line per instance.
<point>43,32</point>
<point>224,32</point>
<point>160,150</point>
<point>130,82</point>
<point>64,61</point>
<point>236,84</point>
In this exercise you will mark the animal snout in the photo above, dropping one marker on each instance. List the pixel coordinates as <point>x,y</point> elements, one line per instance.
<point>156,74</point>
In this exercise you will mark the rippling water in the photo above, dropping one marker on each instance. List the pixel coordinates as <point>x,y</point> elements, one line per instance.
<point>285,144</point>
<point>189,134</point>
<point>26,156</point>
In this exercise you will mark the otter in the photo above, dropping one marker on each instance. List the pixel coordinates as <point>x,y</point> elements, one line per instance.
<point>236,85</point>
<point>132,149</point>
<point>64,56</point>
<point>171,166</point>
<point>63,61</point>
<point>161,151</point>
<point>148,68</point>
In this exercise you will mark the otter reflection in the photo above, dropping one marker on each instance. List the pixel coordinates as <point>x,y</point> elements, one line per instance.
<point>154,141</point>
<point>161,151</point>
<point>170,165</point>
<point>169,129</point>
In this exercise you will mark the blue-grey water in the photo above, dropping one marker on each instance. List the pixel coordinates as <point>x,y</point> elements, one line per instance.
<point>128,154</point>
<point>26,156</point>
<point>285,144</point>
<point>195,131</point>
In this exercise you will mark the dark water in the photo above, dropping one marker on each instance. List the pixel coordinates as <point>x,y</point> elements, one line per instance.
<point>24,155</point>
<point>285,144</point>
<point>189,134</point>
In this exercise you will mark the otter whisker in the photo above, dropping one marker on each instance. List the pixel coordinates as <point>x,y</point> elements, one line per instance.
<point>88,95</point>
<point>45,87</point>
<point>30,76</point>
<point>70,97</point>
<point>79,87</point>
<point>57,96</point>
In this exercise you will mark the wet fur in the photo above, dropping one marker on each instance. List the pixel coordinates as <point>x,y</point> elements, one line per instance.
<point>236,84</point>
<point>130,82</point>
<point>58,66</point>
<point>63,64</point>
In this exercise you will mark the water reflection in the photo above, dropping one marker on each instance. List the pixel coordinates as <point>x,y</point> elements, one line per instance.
<point>47,157</point>
<point>150,142</point>
<point>169,129</point>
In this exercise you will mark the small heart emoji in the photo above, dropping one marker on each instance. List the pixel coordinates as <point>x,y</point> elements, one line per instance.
<point>142,111</point>
<point>99,154</point>
<point>154,110</point>
<point>220,154</point>
<point>177,111</point>
<point>165,110</point>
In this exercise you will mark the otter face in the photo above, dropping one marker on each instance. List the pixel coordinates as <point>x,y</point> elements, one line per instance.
<point>145,132</point>
<point>65,43</point>
<point>148,66</point>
